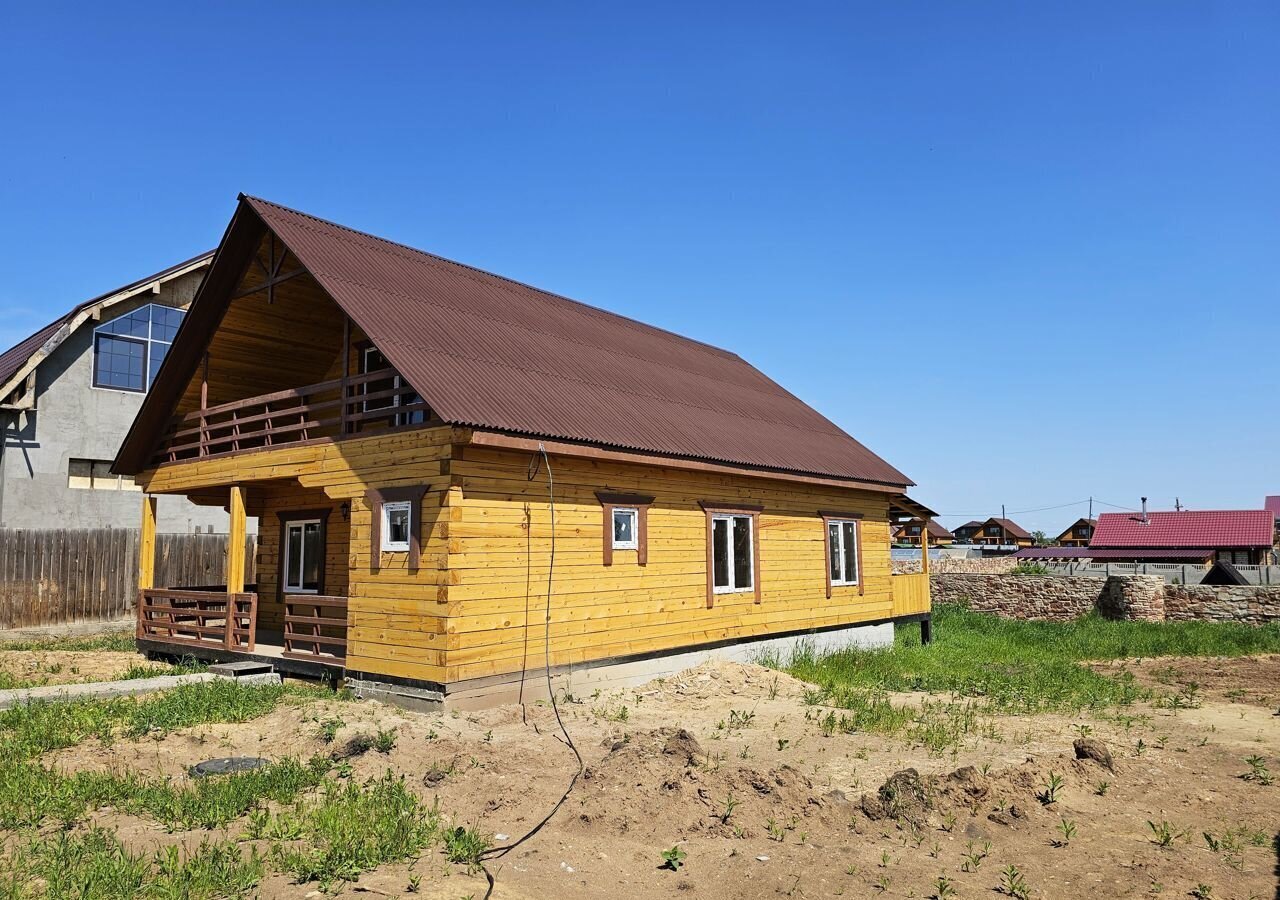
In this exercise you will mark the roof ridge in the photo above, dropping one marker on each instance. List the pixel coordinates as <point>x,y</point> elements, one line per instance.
<point>485,272</point>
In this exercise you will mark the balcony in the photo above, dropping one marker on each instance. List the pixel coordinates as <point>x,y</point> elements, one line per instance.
<point>328,409</point>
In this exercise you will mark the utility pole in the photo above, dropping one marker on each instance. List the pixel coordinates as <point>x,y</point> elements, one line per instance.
<point>1004,532</point>
<point>1177,504</point>
<point>1091,508</point>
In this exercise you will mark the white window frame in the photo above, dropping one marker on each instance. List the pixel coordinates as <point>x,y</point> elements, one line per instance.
<point>301,525</point>
<point>838,552</point>
<point>634,513</point>
<point>146,343</point>
<point>733,587</point>
<point>388,545</point>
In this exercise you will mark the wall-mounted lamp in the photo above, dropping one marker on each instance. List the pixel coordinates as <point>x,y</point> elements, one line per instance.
<point>345,509</point>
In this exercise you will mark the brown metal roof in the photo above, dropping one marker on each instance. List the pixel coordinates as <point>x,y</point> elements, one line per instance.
<point>488,352</point>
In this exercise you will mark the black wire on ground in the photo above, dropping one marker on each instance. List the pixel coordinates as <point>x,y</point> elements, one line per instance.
<point>499,852</point>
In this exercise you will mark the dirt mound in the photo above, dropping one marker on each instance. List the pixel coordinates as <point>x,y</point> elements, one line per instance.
<point>662,782</point>
<point>723,680</point>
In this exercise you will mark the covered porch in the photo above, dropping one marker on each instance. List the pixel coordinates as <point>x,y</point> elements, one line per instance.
<point>910,590</point>
<point>295,617</point>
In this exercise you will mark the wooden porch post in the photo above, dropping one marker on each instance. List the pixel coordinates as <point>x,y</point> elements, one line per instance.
<point>146,560</point>
<point>147,544</point>
<point>235,564</point>
<point>235,543</point>
<point>924,547</point>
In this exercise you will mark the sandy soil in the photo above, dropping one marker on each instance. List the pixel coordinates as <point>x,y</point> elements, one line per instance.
<point>1254,680</point>
<point>38,667</point>
<point>808,821</point>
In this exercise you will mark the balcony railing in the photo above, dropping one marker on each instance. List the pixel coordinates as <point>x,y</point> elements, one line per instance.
<point>198,618</point>
<point>315,628</point>
<point>327,409</point>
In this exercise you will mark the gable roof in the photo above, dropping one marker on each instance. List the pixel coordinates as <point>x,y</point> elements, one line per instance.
<point>491,353</point>
<point>22,357</point>
<point>1066,532</point>
<point>1012,528</point>
<point>935,530</point>
<point>1198,529</point>
<point>972,523</point>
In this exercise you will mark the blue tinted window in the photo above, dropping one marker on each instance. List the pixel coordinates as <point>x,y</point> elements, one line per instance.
<point>129,349</point>
<point>119,363</point>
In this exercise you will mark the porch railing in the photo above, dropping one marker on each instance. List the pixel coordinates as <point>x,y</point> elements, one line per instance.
<point>198,618</point>
<point>910,594</point>
<point>315,628</point>
<point>325,409</point>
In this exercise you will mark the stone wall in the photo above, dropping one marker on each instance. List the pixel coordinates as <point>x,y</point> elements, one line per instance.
<point>1020,596</point>
<point>1137,597</point>
<point>1252,605</point>
<point>991,565</point>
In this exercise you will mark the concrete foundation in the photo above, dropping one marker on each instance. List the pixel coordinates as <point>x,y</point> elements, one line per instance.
<point>606,675</point>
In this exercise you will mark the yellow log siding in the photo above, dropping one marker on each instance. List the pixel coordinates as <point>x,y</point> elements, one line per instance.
<point>396,616</point>
<point>499,551</point>
<point>486,550</point>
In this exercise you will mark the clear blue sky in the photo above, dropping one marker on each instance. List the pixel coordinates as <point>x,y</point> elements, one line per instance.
<point>1027,252</point>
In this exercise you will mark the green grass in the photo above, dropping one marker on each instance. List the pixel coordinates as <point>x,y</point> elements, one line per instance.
<point>355,828</point>
<point>1018,667</point>
<point>31,794</point>
<point>29,730</point>
<point>95,865</point>
<point>118,640</point>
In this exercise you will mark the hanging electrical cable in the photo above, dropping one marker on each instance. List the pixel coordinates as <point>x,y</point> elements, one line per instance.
<point>499,852</point>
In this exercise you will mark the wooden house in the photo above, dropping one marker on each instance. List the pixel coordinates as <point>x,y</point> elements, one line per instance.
<point>909,533</point>
<point>434,451</point>
<point>1079,534</point>
<point>966,532</point>
<point>998,532</point>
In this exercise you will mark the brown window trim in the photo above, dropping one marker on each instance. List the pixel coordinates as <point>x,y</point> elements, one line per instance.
<point>298,515</point>
<point>713,508</point>
<point>641,503</point>
<point>374,498</point>
<point>828,516</point>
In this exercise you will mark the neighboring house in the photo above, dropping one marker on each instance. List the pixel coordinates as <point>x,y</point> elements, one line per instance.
<point>909,533</point>
<point>966,532</point>
<point>68,394</point>
<point>438,448</point>
<point>1272,504</point>
<point>1079,534</point>
<point>1002,533</point>
<point>1239,537</point>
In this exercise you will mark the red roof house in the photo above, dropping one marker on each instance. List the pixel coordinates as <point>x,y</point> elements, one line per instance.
<point>1238,536</point>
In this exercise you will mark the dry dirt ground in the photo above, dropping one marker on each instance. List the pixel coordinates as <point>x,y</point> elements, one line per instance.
<point>38,667</point>
<point>663,761</point>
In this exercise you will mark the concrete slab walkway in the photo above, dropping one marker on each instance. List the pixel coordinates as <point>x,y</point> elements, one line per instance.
<point>101,690</point>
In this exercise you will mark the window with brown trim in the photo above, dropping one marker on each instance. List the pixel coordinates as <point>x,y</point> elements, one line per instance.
<point>733,549</point>
<point>842,539</point>
<point>395,524</point>
<point>303,540</point>
<point>626,524</point>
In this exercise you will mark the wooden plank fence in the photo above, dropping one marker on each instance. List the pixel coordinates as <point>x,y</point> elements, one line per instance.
<point>49,577</point>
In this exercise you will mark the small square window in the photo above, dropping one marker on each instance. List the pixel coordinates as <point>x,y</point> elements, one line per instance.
<point>396,521</point>
<point>624,528</point>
